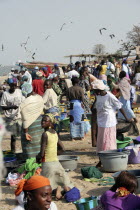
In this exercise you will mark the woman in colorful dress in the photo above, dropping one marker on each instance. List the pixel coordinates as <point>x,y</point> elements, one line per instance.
<point>31,111</point>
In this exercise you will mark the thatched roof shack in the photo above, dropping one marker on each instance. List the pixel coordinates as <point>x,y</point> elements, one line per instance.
<point>31,65</point>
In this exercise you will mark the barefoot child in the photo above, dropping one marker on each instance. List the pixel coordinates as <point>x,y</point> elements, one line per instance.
<point>51,167</point>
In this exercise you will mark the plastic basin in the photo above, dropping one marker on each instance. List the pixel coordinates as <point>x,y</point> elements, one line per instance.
<point>123,144</point>
<point>10,158</point>
<point>133,159</point>
<point>136,140</point>
<point>114,160</point>
<point>113,152</point>
<point>68,162</point>
<point>134,172</point>
<point>86,203</point>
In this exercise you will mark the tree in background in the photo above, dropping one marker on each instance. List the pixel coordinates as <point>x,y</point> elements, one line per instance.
<point>134,35</point>
<point>99,49</point>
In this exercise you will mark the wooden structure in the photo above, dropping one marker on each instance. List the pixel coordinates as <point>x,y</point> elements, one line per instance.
<point>98,56</point>
<point>31,65</point>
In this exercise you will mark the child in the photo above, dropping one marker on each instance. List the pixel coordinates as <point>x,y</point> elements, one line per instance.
<point>120,196</point>
<point>51,167</point>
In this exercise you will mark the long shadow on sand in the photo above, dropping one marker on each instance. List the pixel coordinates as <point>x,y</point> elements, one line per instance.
<point>74,152</point>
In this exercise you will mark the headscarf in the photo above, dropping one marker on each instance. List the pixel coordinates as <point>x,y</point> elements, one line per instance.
<point>45,68</point>
<point>36,68</point>
<point>39,73</point>
<point>51,76</point>
<point>122,192</point>
<point>52,118</point>
<point>26,88</point>
<point>98,84</point>
<point>24,78</point>
<point>55,65</point>
<point>33,183</point>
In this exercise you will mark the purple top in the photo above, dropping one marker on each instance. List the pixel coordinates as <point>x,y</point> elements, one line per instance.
<point>111,202</point>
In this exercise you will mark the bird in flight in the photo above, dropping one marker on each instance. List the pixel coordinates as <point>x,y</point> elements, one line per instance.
<point>101,30</point>
<point>62,26</point>
<point>25,43</point>
<point>112,36</point>
<point>47,37</point>
<point>120,41</point>
<point>2,47</point>
<point>33,56</point>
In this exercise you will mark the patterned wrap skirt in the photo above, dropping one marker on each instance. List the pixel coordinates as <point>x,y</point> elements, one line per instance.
<point>32,148</point>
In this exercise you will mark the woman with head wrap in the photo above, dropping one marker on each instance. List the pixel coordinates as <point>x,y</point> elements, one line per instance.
<point>26,87</point>
<point>35,193</point>
<point>51,166</point>
<point>31,110</point>
<point>38,84</point>
<point>46,71</point>
<point>106,105</point>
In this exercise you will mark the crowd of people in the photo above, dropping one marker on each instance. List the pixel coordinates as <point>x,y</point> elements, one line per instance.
<point>31,101</point>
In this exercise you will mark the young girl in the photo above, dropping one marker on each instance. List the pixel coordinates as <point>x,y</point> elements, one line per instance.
<point>120,196</point>
<point>51,167</point>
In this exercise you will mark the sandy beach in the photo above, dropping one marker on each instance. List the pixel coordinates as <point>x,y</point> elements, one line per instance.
<point>87,157</point>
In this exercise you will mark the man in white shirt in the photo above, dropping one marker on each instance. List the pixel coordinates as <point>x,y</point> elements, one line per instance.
<point>10,73</point>
<point>72,72</point>
<point>25,72</point>
<point>10,103</point>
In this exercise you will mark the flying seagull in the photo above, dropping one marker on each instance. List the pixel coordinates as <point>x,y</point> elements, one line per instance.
<point>25,43</point>
<point>120,41</point>
<point>101,30</point>
<point>111,36</point>
<point>33,56</point>
<point>2,47</point>
<point>47,37</point>
<point>62,26</point>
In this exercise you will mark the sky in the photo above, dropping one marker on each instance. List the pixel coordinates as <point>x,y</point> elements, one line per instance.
<point>40,18</point>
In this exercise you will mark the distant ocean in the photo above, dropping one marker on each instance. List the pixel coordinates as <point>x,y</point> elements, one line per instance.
<point>4,70</point>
